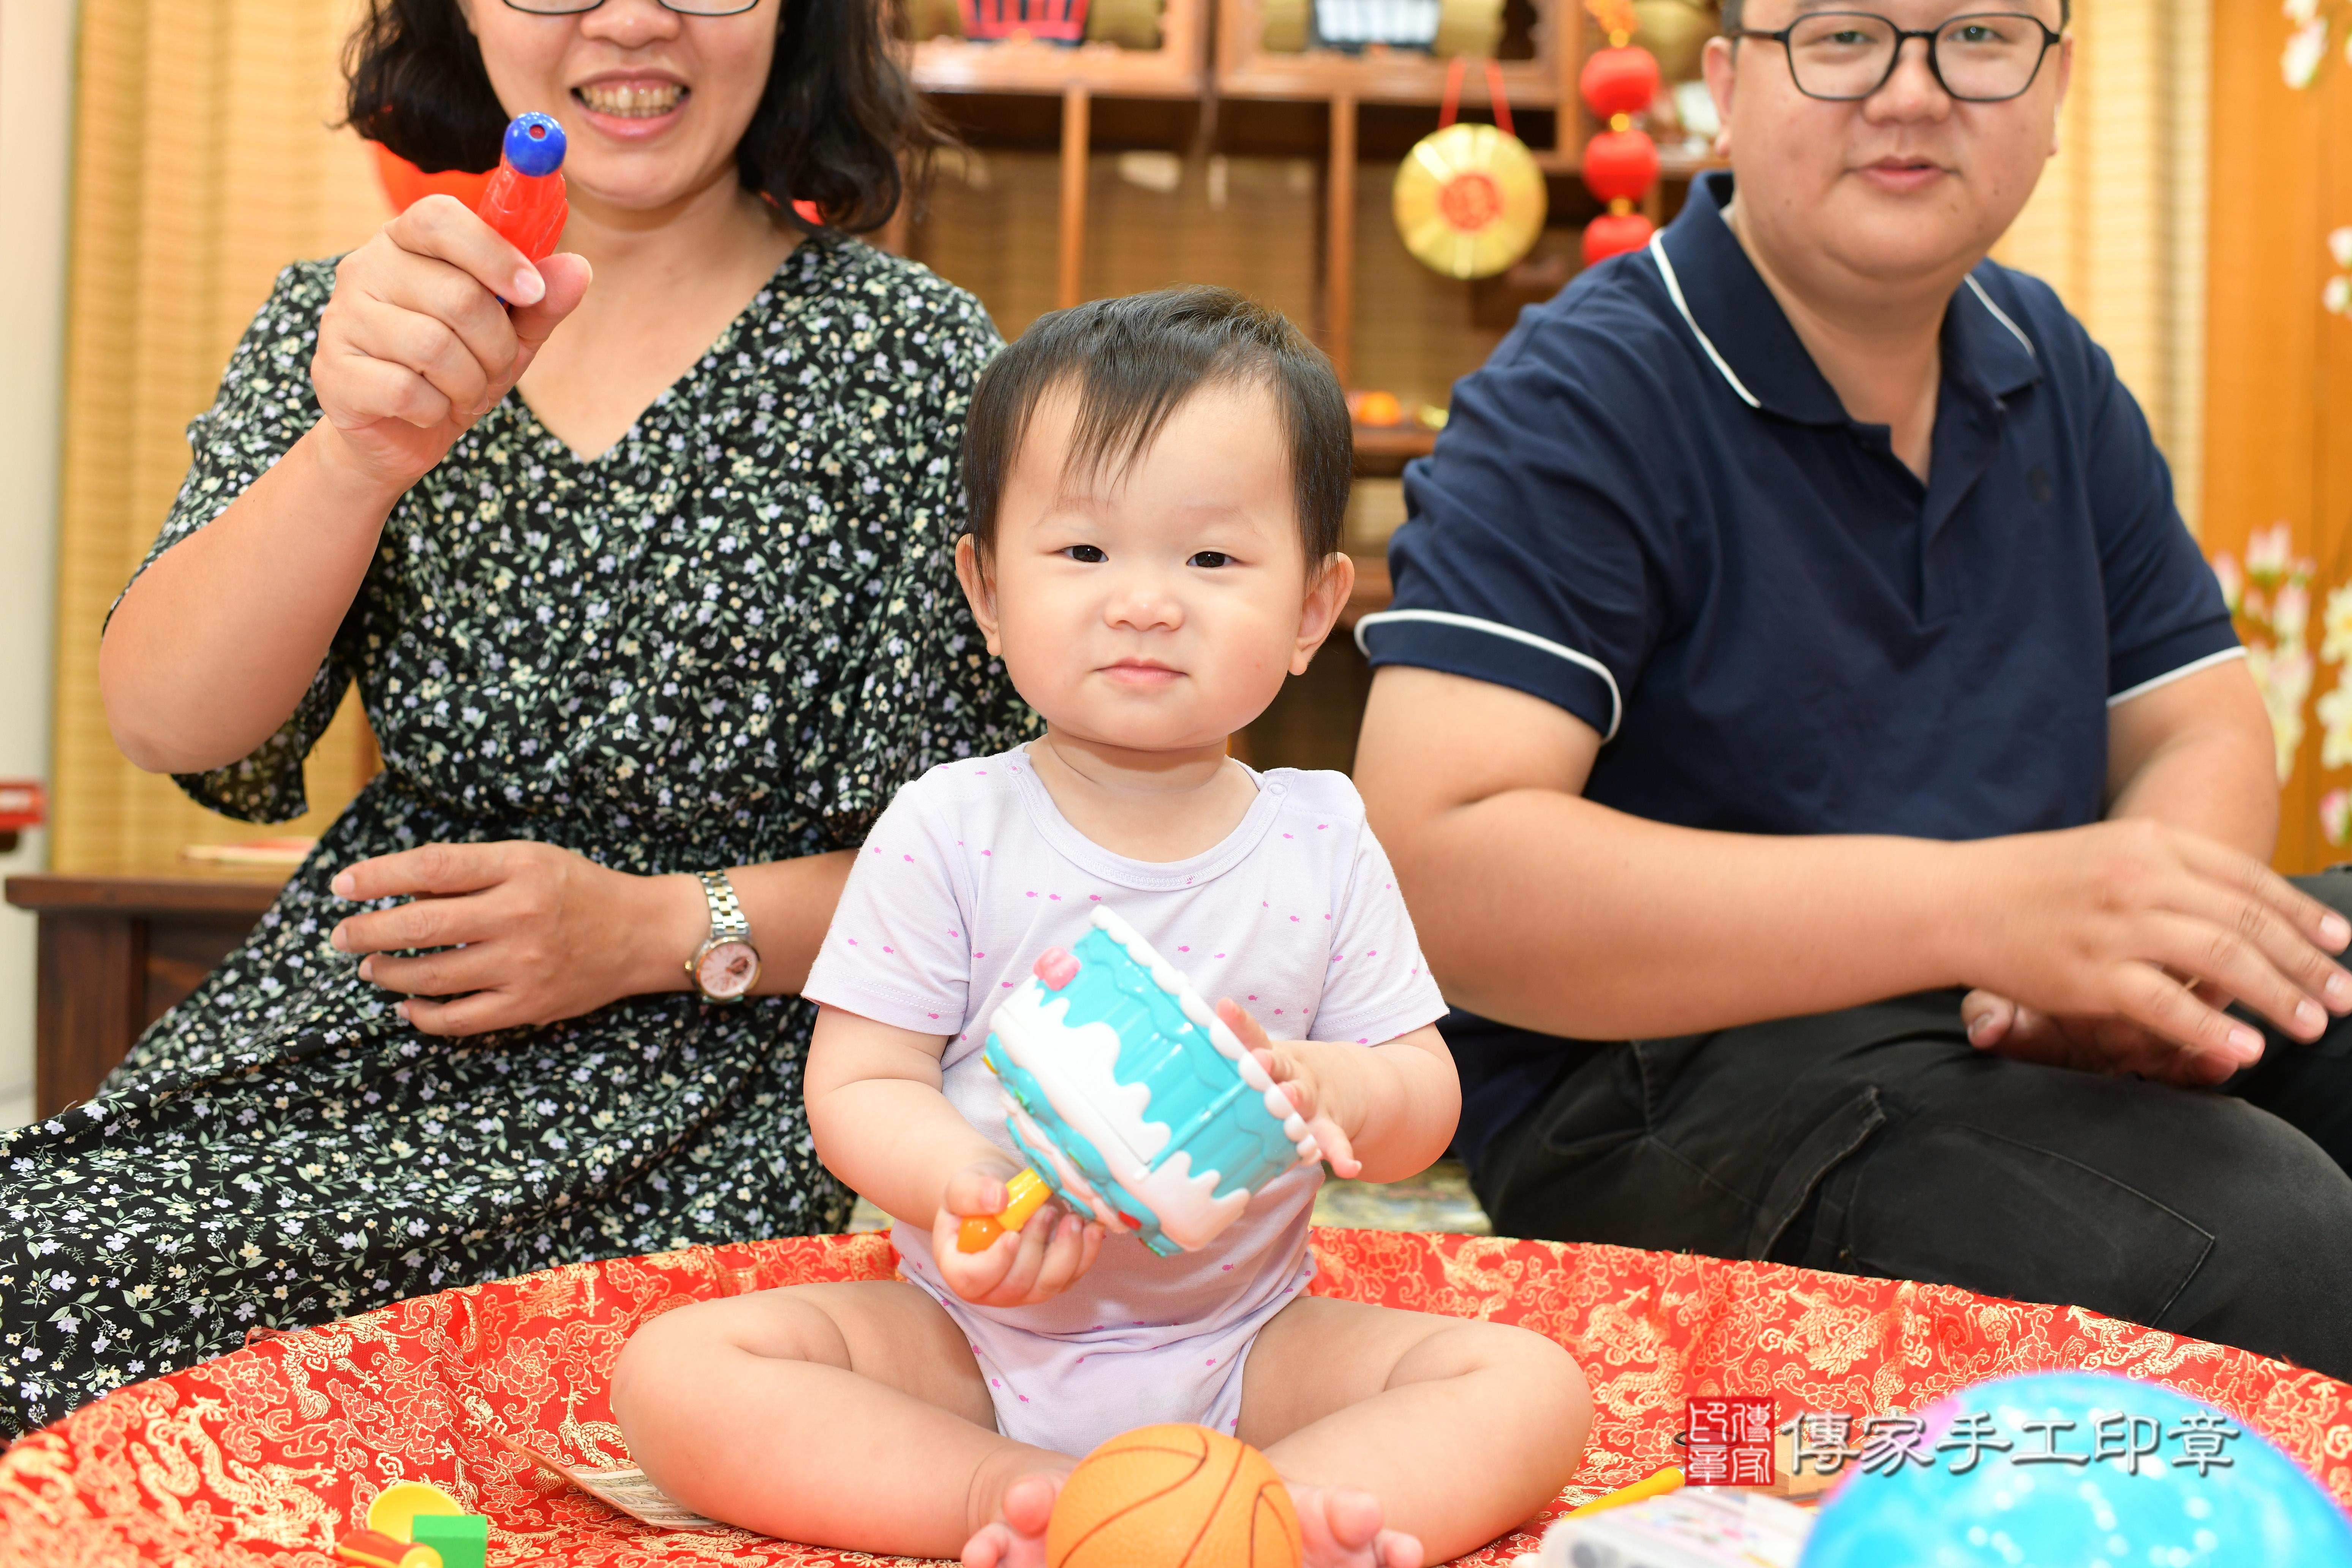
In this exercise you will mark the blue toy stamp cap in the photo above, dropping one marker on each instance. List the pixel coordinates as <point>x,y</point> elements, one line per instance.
<point>534,145</point>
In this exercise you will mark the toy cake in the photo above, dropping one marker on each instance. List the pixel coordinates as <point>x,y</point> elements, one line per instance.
<point>1130,1099</point>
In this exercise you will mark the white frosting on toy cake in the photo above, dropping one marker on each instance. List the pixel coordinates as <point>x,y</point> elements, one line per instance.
<point>1073,1065</point>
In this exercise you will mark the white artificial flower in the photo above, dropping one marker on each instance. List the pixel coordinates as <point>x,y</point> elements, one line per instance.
<point>2301,11</point>
<point>2339,245</point>
<point>2338,296</point>
<point>2335,711</point>
<point>2234,582</point>
<point>2268,552</point>
<point>2291,613</point>
<point>2336,623</point>
<point>2305,51</point>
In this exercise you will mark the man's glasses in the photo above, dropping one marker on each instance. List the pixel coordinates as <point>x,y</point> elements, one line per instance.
<point>1843,55</point>
<point>683,7</point>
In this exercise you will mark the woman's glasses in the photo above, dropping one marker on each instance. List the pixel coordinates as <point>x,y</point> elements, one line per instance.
<point>683,7</point>
<point>1843,55</point>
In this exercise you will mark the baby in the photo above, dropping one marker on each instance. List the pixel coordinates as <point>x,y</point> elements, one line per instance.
<point>1157,486</point>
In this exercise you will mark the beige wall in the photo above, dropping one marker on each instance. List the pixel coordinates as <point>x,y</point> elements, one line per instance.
<point>36,124</point>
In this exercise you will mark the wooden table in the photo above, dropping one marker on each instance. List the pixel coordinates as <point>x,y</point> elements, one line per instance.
<point>116,953</point>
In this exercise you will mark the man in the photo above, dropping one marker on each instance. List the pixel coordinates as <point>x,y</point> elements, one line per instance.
<point>1795,631</point>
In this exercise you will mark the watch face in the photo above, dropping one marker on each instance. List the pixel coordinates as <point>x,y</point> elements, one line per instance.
<point>728,970</point>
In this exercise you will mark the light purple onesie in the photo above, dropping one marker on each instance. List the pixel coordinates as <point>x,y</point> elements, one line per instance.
<point>969,875</point>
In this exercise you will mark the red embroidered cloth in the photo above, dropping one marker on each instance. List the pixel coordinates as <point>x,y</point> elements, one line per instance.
<point>267,1454</point>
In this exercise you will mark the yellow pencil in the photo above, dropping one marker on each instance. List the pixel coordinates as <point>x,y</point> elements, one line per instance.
<point>1667,1480</point>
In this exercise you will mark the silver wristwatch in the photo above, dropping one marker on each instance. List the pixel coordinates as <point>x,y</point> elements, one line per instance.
<point>726,966</point>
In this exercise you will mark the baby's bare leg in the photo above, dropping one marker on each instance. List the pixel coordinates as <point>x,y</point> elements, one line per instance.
<point>1461,1430</point>
<point>850,1416</point>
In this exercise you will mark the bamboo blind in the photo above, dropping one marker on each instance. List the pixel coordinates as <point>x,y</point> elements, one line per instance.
<point>202,164</point>
<point>2117,225</point>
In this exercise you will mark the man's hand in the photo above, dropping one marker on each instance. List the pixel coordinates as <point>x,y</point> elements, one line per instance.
<point>530,933</point>
<point>2121,943</point>
<point>1998,1025</point>
<point>1018,1268</point>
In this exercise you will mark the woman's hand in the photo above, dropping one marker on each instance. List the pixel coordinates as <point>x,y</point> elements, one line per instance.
<point>1016,1269</point>
<point>1296,1075</point>
<point>414,346</point>
<point>532,933</point>
<point>2115,948</point>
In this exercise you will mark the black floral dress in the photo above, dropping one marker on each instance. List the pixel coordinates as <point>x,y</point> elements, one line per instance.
<point>726,641</point>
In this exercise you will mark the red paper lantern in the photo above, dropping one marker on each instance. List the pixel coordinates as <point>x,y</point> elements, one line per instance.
<point>1619,81</point>
<point>1620,164</point>
<point>1613,234</point>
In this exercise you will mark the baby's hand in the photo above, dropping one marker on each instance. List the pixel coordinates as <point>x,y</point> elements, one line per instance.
<point>1016,1269</point>
<point>1297,1076</point>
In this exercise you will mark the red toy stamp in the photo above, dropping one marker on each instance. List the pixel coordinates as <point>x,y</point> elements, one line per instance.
<point>1730,1440</point>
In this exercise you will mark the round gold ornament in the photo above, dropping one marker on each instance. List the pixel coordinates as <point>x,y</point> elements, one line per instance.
<point>1470,201</point>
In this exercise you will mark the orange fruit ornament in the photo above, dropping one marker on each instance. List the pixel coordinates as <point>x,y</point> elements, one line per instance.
<point>1173,1497</point>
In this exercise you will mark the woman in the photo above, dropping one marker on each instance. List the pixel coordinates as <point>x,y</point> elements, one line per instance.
<point>645,579</point>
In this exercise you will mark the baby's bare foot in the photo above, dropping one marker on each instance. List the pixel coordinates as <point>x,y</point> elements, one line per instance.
<point>1017,1537</point>
<point>1340,1528</point>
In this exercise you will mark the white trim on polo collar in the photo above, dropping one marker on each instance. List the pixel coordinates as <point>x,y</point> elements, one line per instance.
<point>1496,628</point>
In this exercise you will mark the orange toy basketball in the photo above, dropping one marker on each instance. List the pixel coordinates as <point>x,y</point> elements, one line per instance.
<point>1173,1497</point>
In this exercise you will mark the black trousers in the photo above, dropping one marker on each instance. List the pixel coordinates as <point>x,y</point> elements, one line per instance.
<point>1876,1140</point>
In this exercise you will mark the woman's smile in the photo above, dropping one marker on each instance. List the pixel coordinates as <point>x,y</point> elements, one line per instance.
<point>632,104</point>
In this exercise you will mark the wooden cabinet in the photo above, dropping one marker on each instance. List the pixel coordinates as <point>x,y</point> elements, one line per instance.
<point>115,955</point>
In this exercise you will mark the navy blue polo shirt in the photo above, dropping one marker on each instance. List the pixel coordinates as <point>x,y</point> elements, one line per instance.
<point>1651,509</point>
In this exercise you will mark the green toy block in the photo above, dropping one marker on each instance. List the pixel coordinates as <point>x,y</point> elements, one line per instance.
<point>462,1539</point>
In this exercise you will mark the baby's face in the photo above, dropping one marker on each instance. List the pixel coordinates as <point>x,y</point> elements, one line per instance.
<point>1157,607</point>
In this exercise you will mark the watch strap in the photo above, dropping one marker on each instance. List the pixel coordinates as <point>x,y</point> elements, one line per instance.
<point>728,922</point>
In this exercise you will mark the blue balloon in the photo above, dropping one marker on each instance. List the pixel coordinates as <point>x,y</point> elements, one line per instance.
<point>2164,1481</point>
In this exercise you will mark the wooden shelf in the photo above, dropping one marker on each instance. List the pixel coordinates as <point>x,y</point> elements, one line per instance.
<point>1105,70</point>
<point>1671,165</point>
<point>1371,592</point>
<point>1375,76</point>
<point>1384,450</point>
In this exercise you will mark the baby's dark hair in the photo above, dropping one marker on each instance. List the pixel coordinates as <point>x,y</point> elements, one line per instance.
<point>1133,362</point>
